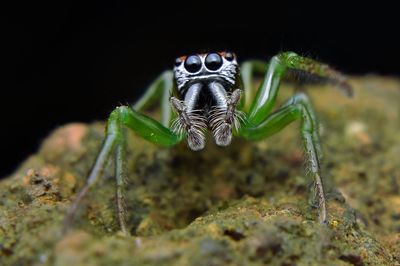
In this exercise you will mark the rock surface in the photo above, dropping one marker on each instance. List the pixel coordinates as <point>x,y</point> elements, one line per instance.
<point>243,205</point>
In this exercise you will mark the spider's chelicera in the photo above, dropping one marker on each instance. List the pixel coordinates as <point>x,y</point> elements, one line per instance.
<point>212,92</point>
<point>207,96</point>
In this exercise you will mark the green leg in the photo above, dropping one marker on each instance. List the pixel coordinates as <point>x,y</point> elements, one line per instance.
<point>247,71</point>
<point>298,107</point>
<point>143,126</point>
<point>121,179</point>
<point>301,98</point>
<point>97,170</point>
<point>160,89</point>
<point>280,65</point>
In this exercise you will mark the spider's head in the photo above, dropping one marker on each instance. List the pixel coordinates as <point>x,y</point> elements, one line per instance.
<point>208,91</point>
<point>205,67</point>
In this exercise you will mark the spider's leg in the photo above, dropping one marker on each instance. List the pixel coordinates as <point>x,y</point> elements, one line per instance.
<point>160,89</point>
<point>97,169</point>
<point>304,100</point>
<point>248,70</point>
<point>120,177</point>
<point>143,126</point>
<point>298,107</point>
<point>280,65</point>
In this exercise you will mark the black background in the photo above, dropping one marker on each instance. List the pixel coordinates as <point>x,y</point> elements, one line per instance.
<point>69,61</point>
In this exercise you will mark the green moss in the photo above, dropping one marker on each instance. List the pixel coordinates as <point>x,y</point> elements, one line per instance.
<point>243,205</point>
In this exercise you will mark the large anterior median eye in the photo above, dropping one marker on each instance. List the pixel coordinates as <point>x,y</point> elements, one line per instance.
<point>213,61</point>
<point>193,63</point>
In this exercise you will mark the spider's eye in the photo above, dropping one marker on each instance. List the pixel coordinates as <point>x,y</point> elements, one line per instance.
<point>229,56</point>
<point>213,61</point>
<point>193,63</point>
<point>178,62</point>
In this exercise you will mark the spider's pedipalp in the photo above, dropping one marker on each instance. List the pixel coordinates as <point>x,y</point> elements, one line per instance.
<point>223,134</point>
<point>222,119</point>
<point>191,122</point>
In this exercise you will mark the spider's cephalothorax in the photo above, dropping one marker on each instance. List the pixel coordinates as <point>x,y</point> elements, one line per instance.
<point>208,92</point>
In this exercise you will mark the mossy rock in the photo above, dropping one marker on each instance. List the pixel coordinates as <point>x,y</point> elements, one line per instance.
<point>242,205</point>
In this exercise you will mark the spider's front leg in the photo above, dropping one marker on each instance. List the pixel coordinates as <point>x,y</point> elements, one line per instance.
<point>125,117</point>
<point>261,125</point>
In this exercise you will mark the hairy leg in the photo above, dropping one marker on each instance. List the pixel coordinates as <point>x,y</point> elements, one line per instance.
<point>142,125</point>
<point>297,107</point>
<point>302,98</point>
<point>278,67</point>
<point>120,176</point>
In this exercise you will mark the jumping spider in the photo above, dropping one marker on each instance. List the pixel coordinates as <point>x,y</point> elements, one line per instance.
<point>208,92</point>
